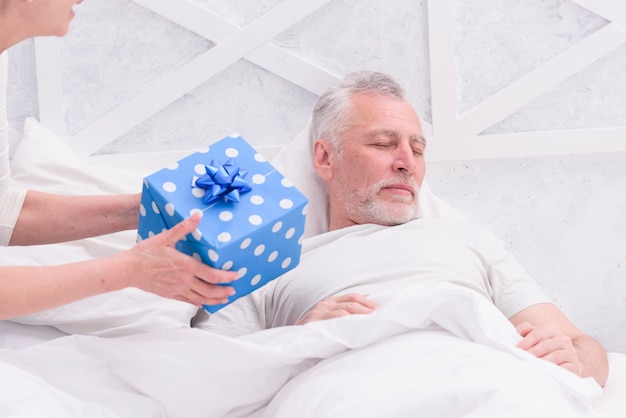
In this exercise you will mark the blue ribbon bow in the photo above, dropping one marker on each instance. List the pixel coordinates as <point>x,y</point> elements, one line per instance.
<point>223,181</point>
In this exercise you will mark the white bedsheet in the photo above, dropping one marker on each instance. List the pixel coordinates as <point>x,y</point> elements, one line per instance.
<point>424,352</point>
<point>384,364</point>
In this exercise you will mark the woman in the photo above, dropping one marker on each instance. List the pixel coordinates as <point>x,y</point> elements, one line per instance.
<point>31,217</point>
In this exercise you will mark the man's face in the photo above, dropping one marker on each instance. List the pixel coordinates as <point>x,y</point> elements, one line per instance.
<point>377,175</point>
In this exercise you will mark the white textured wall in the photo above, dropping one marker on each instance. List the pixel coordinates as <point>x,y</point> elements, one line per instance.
<point>563,216</point>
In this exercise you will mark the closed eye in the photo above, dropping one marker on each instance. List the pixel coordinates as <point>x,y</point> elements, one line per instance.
<point>418,151</point>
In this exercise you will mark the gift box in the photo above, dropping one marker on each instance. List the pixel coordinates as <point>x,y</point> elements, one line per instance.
<point>253,217</point>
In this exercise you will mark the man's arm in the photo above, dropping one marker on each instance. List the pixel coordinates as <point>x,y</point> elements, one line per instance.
<point>549,334</point>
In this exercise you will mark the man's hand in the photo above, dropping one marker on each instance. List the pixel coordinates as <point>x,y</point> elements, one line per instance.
<point>549,334</point>
<point>338,306</point>
<point>548,342</point>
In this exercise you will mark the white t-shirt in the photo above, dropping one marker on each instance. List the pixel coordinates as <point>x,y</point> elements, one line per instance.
<point>379,261</point>
<point>11,198</point>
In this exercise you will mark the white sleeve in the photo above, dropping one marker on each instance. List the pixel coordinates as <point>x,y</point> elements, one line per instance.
<point>244,316</point>
<point>11,199</point>
<point>513,289</point>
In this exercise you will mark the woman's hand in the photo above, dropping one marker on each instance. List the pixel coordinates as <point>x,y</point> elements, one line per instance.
<point>160,268</point>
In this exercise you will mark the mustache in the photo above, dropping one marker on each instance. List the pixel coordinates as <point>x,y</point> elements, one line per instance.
<point>407,181</point>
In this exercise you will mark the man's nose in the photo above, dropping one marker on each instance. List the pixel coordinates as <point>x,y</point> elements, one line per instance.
<point>404,159</point>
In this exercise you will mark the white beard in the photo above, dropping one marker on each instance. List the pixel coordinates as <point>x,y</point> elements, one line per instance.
<point>365,205</point>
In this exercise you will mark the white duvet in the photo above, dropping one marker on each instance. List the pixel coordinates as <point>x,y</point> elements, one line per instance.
<point>432,352</point>
<point>424,353</point>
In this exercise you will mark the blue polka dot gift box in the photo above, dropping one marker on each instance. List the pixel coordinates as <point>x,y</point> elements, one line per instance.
<point>253,217</point>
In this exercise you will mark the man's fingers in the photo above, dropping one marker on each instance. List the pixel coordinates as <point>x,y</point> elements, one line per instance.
<point>356,308</point>
<point>339,306</point>
<point>357,298</point>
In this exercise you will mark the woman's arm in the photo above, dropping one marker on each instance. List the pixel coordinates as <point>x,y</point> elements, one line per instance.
<point>47,218</point>
<point>153,265</point>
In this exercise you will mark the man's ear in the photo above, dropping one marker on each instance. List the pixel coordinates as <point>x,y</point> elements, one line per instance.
<point>321,159</point>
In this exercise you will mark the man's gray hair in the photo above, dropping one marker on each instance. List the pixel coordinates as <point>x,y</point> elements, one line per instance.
<point>333,107</point>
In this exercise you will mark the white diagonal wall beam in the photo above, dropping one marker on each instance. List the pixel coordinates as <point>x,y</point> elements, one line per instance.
<point>49,84</point>
<point>193,74</point>
<point>532,85</point>
<point>528,144</point>
<point>442,81</point>
<point>214,28</point>
<point>614,10</point>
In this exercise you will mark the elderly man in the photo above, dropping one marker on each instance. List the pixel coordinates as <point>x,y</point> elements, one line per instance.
<point>369,153</point>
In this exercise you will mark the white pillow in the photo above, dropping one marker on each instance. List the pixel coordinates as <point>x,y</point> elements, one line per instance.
<point>45,162</point>
<point>295,162</point>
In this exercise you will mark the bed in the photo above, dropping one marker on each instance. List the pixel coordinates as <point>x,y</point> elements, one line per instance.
<point>133,354</point>
<point>117,354</point>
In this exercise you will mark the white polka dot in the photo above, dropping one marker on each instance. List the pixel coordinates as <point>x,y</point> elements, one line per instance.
<point>286,183</point>
<point>255,220</point>
<point>245,243</point>
<point>169,186</point>
<point>142,210</point>
<point>300,240</point>
<point>197,234</point>
<point>224,237</point>
<point>255,280</point>
<point>234,135</point>
<point>290,233</point>
<point>213,256</point>
<point>145,183</point>
<point>305,209</point>
<point>277,227</point>
<point>170,209</point>
<point>242,272</point>
<point>286,204</point>
<point>259,250</point>
<point>199,169</point>
<point>198,192</point>
<point>227,265</point>
<point>151,234</point>
<point>155,208</point>
<point>139,238</point>
<point>273,256</point>
<point>172,166</point>
<point>231,152</point>
<point>256,199</point>
<point>225,216</point>
<point>286,262</point>
<point>196,210</point>
<point>259,157</point>
<point>197,256</point>
<point>258,179</point>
